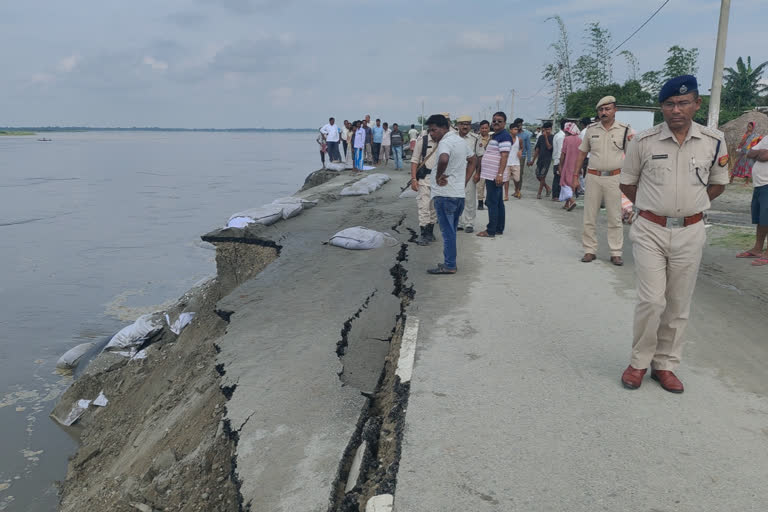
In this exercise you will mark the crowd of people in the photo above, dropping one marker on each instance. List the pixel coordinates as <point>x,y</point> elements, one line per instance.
<point>364,144</point>
<point>668,175</point>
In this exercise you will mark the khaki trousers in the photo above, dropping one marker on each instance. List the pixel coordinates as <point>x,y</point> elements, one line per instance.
<point>602,189</point>
<point>666,264</point>
<point>427,214</point>
<point>481,188</point>
<point>467,218</point>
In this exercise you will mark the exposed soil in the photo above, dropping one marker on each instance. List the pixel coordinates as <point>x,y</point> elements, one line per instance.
<point>161,442</point>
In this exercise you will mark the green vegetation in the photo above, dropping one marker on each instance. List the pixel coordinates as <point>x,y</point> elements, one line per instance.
<point>586,79</point>
<point>14,133</point>
<point>732,237</point>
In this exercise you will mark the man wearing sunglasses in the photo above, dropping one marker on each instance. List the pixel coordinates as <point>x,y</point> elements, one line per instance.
<point>671,173</point>
<point>493,169</point>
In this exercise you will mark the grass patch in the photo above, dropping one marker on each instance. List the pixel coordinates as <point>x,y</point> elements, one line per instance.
<point>3,132</point>
<point>732,237</point>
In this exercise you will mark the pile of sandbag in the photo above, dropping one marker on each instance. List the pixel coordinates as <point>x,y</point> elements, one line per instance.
<point>360,238</point>
<point>283,208</point>
<point>365,186</point>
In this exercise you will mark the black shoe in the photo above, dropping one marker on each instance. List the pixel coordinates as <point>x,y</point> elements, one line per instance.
<point>469,229</point>
<point>423,239</point>
<point>430,232</point>
<point>480,205</point>
<point>459,228</point>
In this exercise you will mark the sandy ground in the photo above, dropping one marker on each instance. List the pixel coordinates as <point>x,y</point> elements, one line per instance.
<point>521,355</point>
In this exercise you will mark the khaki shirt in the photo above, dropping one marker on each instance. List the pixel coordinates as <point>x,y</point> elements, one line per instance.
<point>416,156</point>
<point>606,147</point>
<point>482,143</point>
<point>672,179</point>
<point>471,139</point>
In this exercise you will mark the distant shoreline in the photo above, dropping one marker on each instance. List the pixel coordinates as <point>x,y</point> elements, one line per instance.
<point>31,130</point>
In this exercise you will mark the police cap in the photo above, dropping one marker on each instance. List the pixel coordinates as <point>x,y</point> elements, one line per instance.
<point>678,86</point>
<point>605,100</point>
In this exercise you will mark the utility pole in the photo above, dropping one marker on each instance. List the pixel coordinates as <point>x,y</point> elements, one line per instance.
<point>557,98</point>
<point>717,72</point>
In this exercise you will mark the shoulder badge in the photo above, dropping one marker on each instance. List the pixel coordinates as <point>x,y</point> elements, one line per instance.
<point>722,160</point>
<point>647,133</point>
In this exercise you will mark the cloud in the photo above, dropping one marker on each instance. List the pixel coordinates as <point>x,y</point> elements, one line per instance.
<point>155,64</point>
<point>480,41</point>
<point>42,78</point>
<point>68,64</point>
<point>249,6</point>
<point>263,54</point>
<point>187,19</point>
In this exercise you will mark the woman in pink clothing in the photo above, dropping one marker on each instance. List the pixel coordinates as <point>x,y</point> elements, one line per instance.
<point>568,176</point>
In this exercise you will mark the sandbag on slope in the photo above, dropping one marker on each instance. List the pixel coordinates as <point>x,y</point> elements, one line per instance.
<point>266,215</point>
<point>132,336</point>
<point>360,238</point>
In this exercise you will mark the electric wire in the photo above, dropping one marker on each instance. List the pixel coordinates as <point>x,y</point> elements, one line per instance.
<point>640,27</point>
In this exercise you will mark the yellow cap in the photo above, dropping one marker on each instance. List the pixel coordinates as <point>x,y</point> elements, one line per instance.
<point>464,119</point>
<point>605,101</point>
<point>446,114</point>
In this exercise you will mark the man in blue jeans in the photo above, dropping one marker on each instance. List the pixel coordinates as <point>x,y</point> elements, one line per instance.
<point>493,169</point>
<point>452,173</point>
<point>378,137</point>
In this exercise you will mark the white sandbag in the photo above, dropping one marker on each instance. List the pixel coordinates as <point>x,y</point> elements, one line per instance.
<point>335,166</point>
<point>378,177</point>
<point>135,334</point>
<point>72,356</point>
<point>180,322</point>
<point>408,193</point>
<point>360,238</point>
<point>77,410</point>
<point>265,215</point>
<point>101,400</point>
<point>356,190</point>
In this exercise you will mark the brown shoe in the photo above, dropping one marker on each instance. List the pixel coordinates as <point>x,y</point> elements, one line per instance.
<point>588,257</point>
<point>632,378</point>
<point>616,260</point>
<point>667,380</point>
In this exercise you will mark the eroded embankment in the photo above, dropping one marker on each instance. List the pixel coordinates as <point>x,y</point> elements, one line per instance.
<point>184,426</point>
<point>161,442</point>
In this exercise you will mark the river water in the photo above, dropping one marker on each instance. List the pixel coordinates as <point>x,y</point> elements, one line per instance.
<point>95,229</point>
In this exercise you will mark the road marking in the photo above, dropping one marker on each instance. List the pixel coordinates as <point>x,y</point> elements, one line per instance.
<point>407,349</point>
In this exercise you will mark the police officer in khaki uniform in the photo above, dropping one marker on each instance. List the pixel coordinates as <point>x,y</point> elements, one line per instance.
<point>671,173</point>
<point>467,219</point>
<point>427,215</point>
<point>482,142</point>
<point>605,141</point>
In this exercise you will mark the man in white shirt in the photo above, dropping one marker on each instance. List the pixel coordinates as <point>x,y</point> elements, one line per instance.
<point>759,202</point>
<point>413,134</point>
<point>557,148</point>
<point>386,144</point>
<point>331,134</point>
<point>451,176</point>
<point>344,138</point>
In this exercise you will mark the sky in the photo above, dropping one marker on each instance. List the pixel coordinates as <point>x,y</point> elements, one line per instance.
<point>294,63</point>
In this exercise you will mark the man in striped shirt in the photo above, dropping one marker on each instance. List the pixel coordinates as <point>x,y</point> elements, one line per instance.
<point>493,171</point>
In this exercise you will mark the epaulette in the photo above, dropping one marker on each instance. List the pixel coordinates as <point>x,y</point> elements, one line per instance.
<point>647,133</point>
<point>594,124</point>
<point>715,134</point>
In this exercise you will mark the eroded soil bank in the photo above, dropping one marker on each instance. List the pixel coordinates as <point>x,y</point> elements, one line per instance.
<point>228,415</point>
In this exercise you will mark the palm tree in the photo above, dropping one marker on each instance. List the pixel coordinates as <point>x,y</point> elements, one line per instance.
<point>742,86</point>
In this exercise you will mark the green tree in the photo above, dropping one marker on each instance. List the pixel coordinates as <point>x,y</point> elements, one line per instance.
<point>582,103</point>
<point>680,61</point>
<point>595,68</point>
<point>632,64</point>
<point>742,86</point>
<point>562,59</point>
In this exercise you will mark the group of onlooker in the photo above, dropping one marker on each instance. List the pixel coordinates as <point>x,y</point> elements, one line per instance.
<point>364,143</point>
